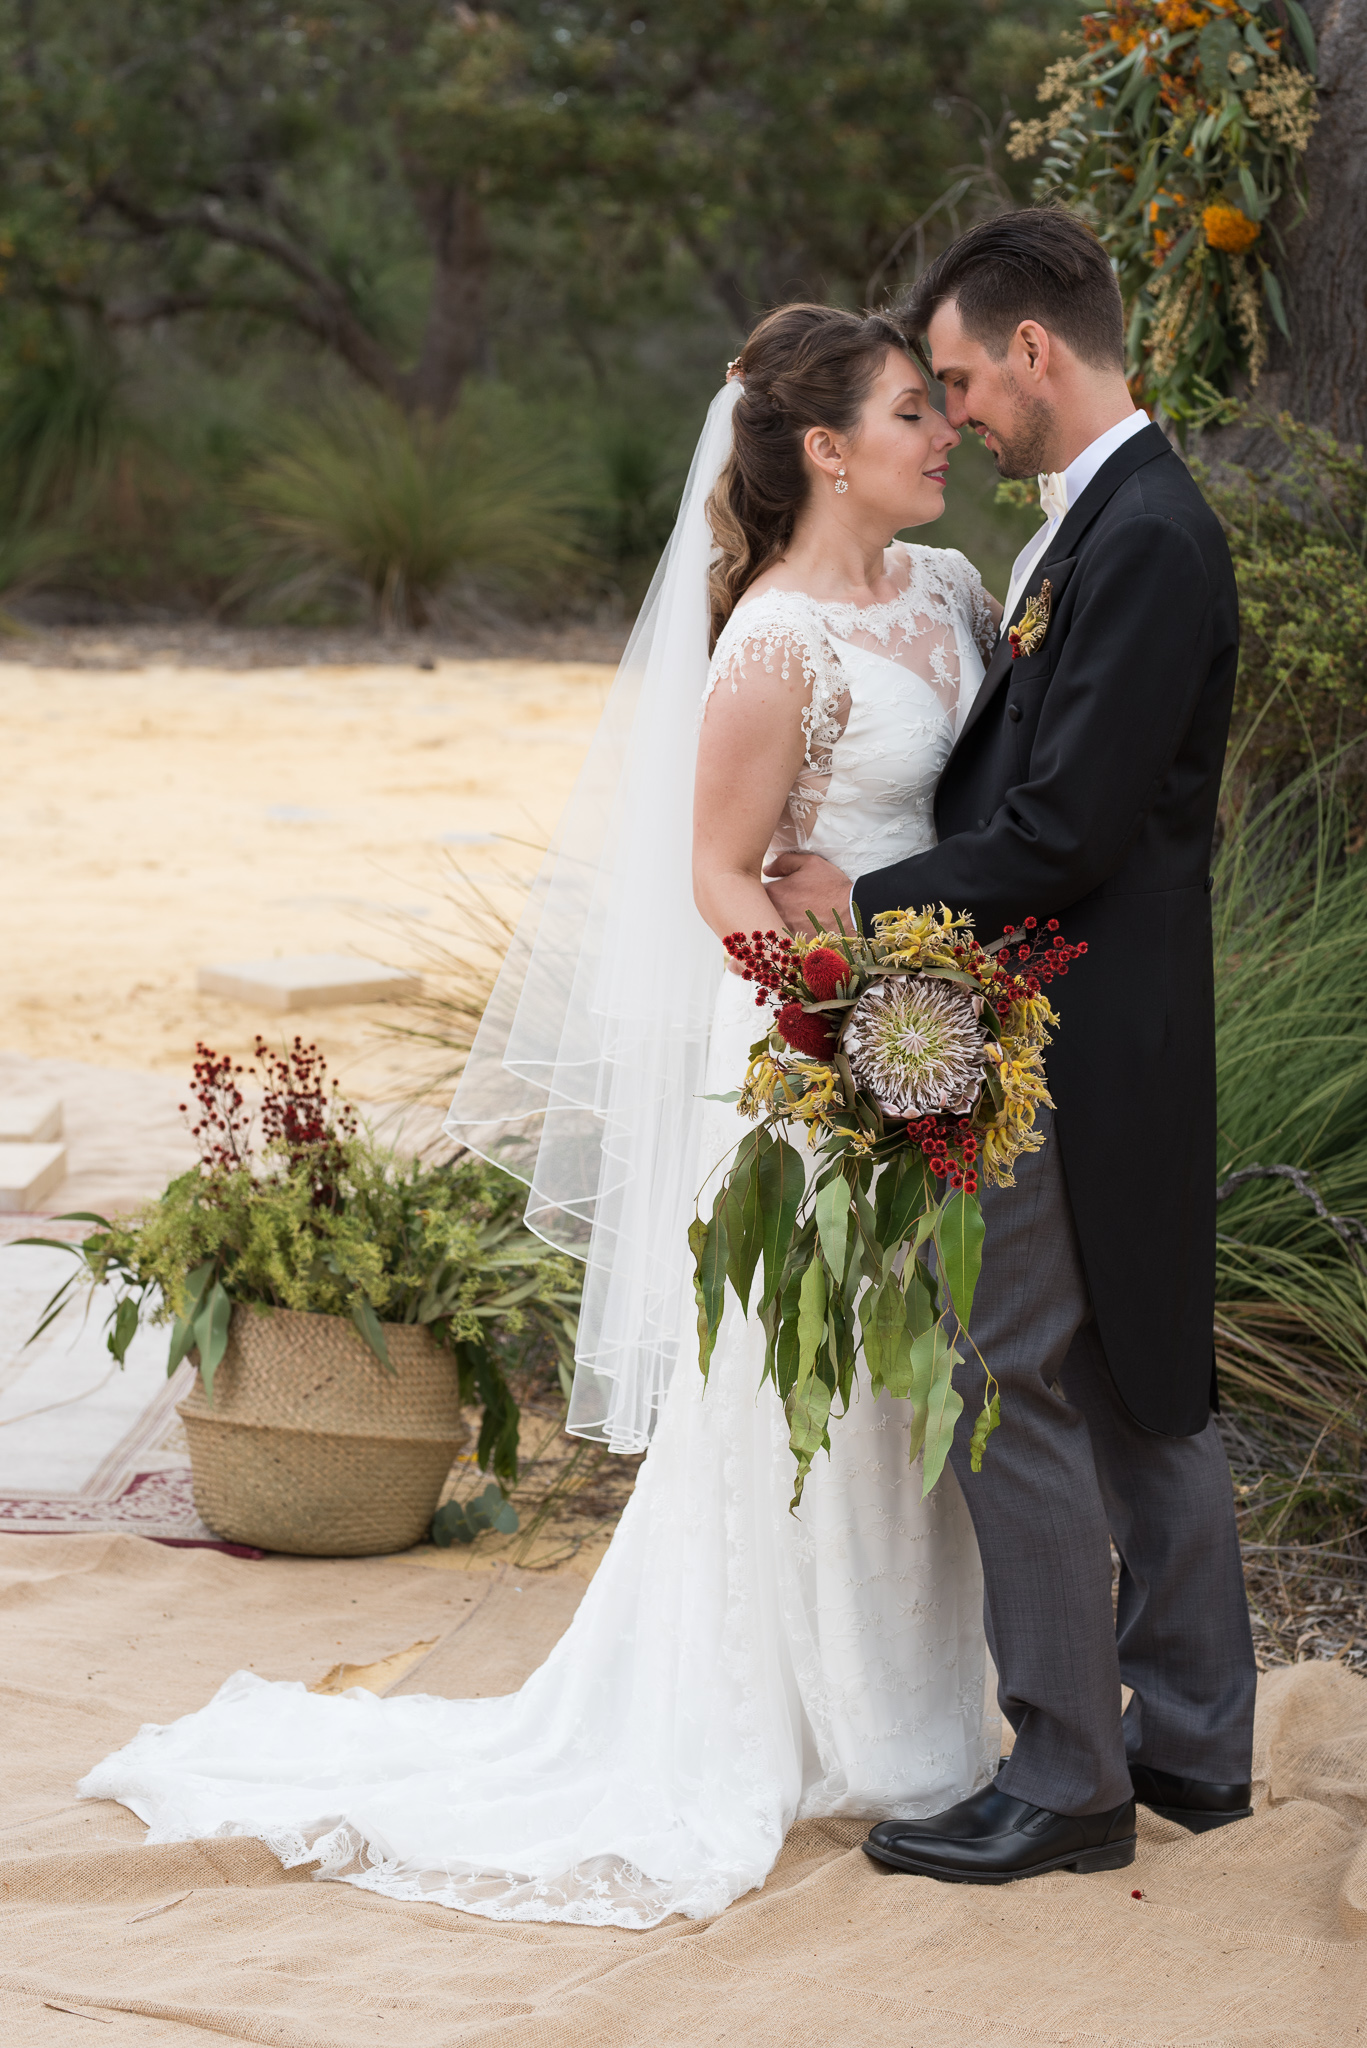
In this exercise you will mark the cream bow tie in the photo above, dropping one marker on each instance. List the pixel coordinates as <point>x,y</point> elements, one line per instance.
<point>1053,494</point>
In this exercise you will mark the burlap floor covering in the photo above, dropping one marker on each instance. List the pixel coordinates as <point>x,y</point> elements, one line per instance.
<point>1255,1934</point>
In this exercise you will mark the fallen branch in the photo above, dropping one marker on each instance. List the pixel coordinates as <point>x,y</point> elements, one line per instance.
<point>1348,1228</point>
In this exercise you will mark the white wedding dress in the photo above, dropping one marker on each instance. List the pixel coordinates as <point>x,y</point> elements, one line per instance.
<point>732,1668</point>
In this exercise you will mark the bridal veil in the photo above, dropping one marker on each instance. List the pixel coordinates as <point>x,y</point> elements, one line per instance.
<point>586,1075</point>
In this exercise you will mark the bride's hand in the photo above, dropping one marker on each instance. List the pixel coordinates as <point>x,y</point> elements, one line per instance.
<point>800,883</point>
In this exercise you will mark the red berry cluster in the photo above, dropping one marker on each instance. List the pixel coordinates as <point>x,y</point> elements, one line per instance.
<point>298,1112</point>
<point>304,1117</point>
<point>225,1122</point>
<point>950,1145</point>
<point>764,958</point>
<point>1048,962</point>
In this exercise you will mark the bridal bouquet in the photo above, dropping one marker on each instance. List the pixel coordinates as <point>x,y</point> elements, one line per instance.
<point>913,1057</point>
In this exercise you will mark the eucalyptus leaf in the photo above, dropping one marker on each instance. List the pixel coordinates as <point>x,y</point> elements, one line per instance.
<point>368,1323</point>
<point>833,1223</point>
<point>808,1410</point>
<point>811,1316</point>
<point>1275,301</point>
<point>782,1183</point>
<point>125,1328</point>
<point>887,1340</point>
<point>913,1198</point>
<point>1305,34</point>
<point>786,1347</point>
<point>743,1216</point>
<point>959,1241</point>
<point>925,1354</point>
<point>1254,204</point>
<point>211,1335</point>
<point>707,1241</point>
<point>989,1418</point>
<point>944,1406</point>
<point>919,1292</point>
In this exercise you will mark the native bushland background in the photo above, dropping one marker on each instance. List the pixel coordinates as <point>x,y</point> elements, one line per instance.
<point>262,268</point>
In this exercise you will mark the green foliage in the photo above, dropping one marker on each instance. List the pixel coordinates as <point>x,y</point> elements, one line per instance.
<point>1291,991</point>
<point>1298,536</point>
<point>1176,128</point>
<point>405,507</point>
<point>588,208</point>
<point>460,1521</point>
<point>172,158</point>
<point>829,1288</point>
<point>444,1247</point>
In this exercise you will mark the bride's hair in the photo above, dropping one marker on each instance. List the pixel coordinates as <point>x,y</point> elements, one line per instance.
<point>803,367</point>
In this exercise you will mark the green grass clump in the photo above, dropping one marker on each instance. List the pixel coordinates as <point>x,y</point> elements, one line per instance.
<point>406,510</point>
<point>1291,995</point>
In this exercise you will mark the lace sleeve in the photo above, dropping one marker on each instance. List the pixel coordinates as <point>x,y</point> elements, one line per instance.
<point>971,598</point>
<point>776,634</point>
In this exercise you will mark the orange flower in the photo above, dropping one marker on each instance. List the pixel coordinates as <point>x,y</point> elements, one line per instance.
<point>1229,229</point>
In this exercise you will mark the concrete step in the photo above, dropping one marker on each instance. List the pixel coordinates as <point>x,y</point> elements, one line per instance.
<point>308,981</point>
<point>29,1119</point>
<point>27,1173</point>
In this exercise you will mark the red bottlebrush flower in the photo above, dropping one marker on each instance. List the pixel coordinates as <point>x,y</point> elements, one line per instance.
<point>805,1033</point>
<point>824,970</point>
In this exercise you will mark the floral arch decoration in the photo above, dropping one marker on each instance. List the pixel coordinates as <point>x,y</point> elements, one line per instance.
<point>1174,128</point>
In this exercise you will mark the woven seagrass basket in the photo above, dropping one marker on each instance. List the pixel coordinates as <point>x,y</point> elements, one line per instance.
<point>311,1447</point>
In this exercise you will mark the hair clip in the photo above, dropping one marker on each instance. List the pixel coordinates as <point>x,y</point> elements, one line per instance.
<point>733,372</point>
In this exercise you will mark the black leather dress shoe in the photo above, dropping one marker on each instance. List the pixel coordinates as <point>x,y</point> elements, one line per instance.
<point>1196,1805</point>
<point>993,1839</point>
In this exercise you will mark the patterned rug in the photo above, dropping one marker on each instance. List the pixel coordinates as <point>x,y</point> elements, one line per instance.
<point>84,1445</point>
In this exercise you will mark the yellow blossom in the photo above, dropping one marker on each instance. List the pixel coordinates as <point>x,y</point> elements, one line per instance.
<point>1230,229</point>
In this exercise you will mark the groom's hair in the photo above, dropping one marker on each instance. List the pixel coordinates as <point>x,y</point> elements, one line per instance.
<point>1038,264</point>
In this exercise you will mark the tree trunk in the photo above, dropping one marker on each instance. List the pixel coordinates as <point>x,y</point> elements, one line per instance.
<point>1320,375</point>
<point>454,334</point>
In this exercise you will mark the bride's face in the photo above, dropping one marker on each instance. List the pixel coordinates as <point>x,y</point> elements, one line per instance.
<point>895,463</point>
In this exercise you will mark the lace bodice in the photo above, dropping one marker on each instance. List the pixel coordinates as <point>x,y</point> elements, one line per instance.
<point>887,686</point>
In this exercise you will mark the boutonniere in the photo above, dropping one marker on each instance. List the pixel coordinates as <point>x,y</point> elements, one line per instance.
<point>1027,635</point>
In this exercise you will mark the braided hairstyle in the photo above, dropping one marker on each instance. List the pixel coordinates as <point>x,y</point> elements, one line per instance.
<point>804,366</point>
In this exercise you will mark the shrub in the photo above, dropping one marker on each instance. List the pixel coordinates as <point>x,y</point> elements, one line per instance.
<point>404,509</point>
<point>1298,535</point>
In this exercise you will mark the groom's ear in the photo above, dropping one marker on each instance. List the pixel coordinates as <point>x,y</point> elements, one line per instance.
<point>1030,347</point>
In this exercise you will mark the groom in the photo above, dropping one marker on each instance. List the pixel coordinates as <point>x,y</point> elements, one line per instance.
<point>1083,786</point>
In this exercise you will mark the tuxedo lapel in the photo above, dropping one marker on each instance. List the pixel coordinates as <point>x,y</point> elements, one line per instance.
<point>1143,447</point>
<point>1062,549</point>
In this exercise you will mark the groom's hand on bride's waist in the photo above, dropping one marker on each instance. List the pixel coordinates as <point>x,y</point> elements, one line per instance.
<point>803,884</point>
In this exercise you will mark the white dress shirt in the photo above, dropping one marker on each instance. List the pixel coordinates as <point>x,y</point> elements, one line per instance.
<point>1057,493</point>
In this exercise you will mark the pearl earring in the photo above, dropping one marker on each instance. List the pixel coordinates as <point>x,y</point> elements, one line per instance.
<point>840,482</point>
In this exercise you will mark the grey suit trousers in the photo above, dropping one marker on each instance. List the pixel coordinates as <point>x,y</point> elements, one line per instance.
<point>1068,1471</point>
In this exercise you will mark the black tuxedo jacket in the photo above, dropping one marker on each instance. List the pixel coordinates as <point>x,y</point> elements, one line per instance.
<point>1083,786</point>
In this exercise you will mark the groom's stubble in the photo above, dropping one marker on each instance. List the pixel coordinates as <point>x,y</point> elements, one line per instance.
<point>1023,448</point>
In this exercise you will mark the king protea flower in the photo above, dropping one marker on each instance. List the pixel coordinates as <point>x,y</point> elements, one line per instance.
<point>916,1045</point>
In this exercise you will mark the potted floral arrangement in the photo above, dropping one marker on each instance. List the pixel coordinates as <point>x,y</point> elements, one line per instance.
<point>340,1308</point>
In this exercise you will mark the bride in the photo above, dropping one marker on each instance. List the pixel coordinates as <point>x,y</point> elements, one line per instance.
<point>731,1668</point>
